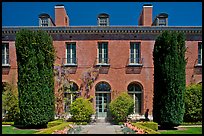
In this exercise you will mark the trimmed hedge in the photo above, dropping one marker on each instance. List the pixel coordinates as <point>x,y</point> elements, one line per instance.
<point>81,110</point>
<point>35,58</point>
<point>54,123</point>
<point>146,129</point>
<point>52,129</point>
<point>152,125</point>
<point>7,123</point>
<point>121,107</point>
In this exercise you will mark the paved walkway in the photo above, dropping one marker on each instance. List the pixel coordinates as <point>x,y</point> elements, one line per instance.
<point>101,128</point>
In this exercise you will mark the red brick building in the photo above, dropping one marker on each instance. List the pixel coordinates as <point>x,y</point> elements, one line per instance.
<point>123,54</point>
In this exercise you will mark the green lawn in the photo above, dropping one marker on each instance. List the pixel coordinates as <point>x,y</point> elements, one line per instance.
<point>189,130</point>
<point>13,130</point>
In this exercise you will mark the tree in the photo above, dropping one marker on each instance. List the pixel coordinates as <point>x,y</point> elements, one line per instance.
<point>169,79</point>
<point>35,58</point>
<point>193,103</point>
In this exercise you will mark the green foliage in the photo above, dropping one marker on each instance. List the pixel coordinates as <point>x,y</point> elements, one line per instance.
<point>10,102</point>
<point>14,130</point>
<point>152,125</point>
<point>54,123</point>
<point>52,129</point>
<point>169,79</point>
<point>81,110</point>
<point>35,58</point>
<point>146,129</point>
<point>187,130</point>
<point>121,107</point>
<point>7,123</point>
<point>193,103</point>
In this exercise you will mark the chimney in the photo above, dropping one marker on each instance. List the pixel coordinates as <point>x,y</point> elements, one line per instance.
<point>145,18</point>
<point>61,18</point>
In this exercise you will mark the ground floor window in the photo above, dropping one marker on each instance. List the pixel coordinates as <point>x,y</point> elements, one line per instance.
<point>70,95</point>
<point>135,91</point>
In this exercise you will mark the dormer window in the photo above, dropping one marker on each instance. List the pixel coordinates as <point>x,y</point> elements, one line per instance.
<point>103,19</point>
<point>161,20</point>
<point>44,22</point>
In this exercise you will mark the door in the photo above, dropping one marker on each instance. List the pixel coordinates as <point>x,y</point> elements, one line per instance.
<point>102,101</point>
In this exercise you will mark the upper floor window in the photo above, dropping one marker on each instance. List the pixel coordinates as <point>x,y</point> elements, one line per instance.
<point>135,53</point>
<point>200,53</point>
<point>102,53</point>
<point>103,22</point>
<point>44,21</point>
<point>5,54</point>
<point>71,53</point>
<point>162,21</point>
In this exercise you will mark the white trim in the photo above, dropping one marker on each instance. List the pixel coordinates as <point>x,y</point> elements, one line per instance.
<point>59,6</point>
<point>148,6</point>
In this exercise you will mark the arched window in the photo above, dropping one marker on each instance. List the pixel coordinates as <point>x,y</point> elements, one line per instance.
<point>135,91</point>
<point>70,94</point>
<point>103,86</point>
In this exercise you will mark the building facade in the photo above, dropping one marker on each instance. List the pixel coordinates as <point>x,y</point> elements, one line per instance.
<point>123,55</point>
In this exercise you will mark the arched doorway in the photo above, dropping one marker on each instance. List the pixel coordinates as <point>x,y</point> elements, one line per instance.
<point>102,99</point>
<point>70,95</point>
<point>135,91</point>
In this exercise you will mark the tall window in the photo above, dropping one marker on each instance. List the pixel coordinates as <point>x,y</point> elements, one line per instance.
<point>44,22</point>
<point>70,95</point>
<point>200,53</point>
<point>135,91</point>
<point>5,54</point>
<point>103,53</point>
<point>135,53</point>
<point>71,53</point>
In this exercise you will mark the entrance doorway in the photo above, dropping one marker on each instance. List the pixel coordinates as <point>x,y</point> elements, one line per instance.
<point>102,99</point>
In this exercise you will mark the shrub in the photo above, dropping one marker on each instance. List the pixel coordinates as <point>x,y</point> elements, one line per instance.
<point>52,129</point>
<point>193,103</point>
<point>152,125</point>
<point>146,129</point>
<point>121,107</point>
<point>169,79</point>
<point>10,102</point>
<point>81,110</point>
<point>35,58</point>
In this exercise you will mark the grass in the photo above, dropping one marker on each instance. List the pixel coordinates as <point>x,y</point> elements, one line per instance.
<point>189,130</point>
<point>14,130</point>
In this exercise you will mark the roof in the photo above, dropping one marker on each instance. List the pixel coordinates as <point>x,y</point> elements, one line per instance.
<point>165,15</point>
<point>44,15</point>
<point>103,15</point>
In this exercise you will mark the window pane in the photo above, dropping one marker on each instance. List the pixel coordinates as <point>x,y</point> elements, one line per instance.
<point>200,53</point>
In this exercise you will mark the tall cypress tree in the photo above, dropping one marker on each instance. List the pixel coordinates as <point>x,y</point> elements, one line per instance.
<point>169,79</point>
<point>35,58</point>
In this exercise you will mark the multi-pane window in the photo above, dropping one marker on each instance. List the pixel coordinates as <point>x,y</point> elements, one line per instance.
<point>135,91</point>
<point>5,54</point>
<point>135,53</point>
<point>200,53</point>
<point>103,22</point>
<point>162,21</point>
<point>103,53</point>
<point>70,95</point>
<point>44,22</point>
<point>71,53</point>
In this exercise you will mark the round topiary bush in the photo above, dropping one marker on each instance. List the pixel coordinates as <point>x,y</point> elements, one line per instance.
<point>121,107</point>
<point>81,110</point>
<point>193,103</point>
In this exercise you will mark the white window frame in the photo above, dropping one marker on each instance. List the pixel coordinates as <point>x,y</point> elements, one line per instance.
<point>71,55</point>
<point>44,22</point>
<point>136,53</point>
<point>200,54</point>
<point>6,54</point>
<point>104,62</point>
